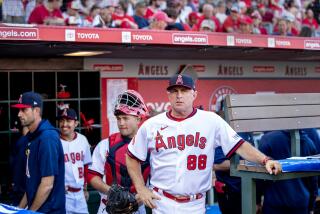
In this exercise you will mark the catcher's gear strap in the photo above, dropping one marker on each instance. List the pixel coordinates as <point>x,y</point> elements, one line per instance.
<point>119,172</point>
<point>111,159</point>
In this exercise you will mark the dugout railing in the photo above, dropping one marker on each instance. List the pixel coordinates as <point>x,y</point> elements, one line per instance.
<point>269,112</point>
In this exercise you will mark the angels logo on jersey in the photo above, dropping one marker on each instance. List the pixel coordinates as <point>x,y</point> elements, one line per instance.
<point>73,157</point>
<point>180,141</point>
<point>218,95</point>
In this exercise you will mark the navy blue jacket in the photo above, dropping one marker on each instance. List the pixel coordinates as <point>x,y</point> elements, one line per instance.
<point>233,183</point>
<point>314,136</point>
<point>46,159</point>
<point>141,21</point>
<point>18,167</point>
<point>294,193</point>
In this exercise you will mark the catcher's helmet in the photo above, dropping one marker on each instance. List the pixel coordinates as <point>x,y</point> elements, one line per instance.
<point>131,102</point>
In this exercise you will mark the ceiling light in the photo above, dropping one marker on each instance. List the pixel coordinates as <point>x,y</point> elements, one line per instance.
<point>87,53</point>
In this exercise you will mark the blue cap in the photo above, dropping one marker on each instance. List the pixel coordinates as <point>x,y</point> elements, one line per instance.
<point>68,113</point>
<point>181,80</point>
<point>29,100</point>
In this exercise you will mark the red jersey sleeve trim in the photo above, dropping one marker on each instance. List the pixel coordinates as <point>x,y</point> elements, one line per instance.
<point>92,174</point>
<point>86,168</point>
<point>133,156</point>
<point>234,149</point>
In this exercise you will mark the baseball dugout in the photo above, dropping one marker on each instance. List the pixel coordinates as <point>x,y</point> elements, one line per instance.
<point>269,112</point>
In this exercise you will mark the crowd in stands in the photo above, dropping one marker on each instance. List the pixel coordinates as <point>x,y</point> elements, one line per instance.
<point>275,17</point>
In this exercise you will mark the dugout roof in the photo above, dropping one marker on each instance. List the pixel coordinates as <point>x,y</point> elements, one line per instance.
<point>48,41</point>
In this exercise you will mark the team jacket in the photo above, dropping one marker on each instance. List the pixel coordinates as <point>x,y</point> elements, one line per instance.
<point>293,193</point>
<point>45,158</point>
<point>109,156</point>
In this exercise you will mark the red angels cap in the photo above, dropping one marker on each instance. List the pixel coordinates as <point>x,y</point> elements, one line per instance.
<point>181,80</point>
<point>29,100</point>
<point>73,5</point>
<point>193,15</point>
<point>246,20</point>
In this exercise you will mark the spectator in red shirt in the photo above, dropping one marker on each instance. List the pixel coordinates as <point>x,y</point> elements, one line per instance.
<point>121,19</point>
<point>231,24</point>
<point>48,13</point>
<point>257,28</point>
<point>208,13</point>
<point>310,21</point>
<point>72,15</point>
<point>153,8</point>
<point>267,16</point>
<point>245,25</point>
<point>192,21</point>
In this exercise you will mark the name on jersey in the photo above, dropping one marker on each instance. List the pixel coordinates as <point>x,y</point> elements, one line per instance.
<point>180,141</point>
<point>73,157</point>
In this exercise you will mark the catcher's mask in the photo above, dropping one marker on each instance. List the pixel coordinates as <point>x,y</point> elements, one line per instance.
<point>131,102</point>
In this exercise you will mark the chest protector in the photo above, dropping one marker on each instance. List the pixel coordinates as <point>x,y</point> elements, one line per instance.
<point>115,166</point>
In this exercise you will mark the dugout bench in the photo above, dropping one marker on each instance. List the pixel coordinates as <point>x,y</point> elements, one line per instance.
<point>269,112</point>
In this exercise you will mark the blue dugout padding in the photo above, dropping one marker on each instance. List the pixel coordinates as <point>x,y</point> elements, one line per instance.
<point>300,164</point>
<point>214,209</point>
<point>7,209</point>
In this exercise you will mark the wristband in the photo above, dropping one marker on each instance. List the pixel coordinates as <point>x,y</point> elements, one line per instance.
<point>265,160</point>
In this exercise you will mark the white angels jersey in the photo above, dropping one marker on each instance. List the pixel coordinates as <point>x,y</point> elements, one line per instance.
<point>182,151</point>
<point>76,155</point>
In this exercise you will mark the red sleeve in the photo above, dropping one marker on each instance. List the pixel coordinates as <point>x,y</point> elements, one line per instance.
<point>197,26</point>
<point>91,174</point>
<point>294,31</point>
<point>86,174</point>
<point>218,25</point>
<point>58,14</point>
<point>263,31</point>
<point>130,18</point>
<point>186,27</point>
<point>34,17</point>
<point>306,22</point>
<point>149,13</point>
<point>227,24</point>
<point>234,149</point>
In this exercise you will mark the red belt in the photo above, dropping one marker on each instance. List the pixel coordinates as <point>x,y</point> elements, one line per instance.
<point>180,199</point>
<point>71,189</point>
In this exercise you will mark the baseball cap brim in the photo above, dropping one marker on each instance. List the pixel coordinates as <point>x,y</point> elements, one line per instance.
<point>178,85</point>
<point>20,105</point>
<point>66,117</point>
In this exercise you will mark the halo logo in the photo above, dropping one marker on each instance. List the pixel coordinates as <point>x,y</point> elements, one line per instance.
<point>218,95</point>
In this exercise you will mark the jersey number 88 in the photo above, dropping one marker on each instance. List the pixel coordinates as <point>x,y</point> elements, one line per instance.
<point>193,161</point>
